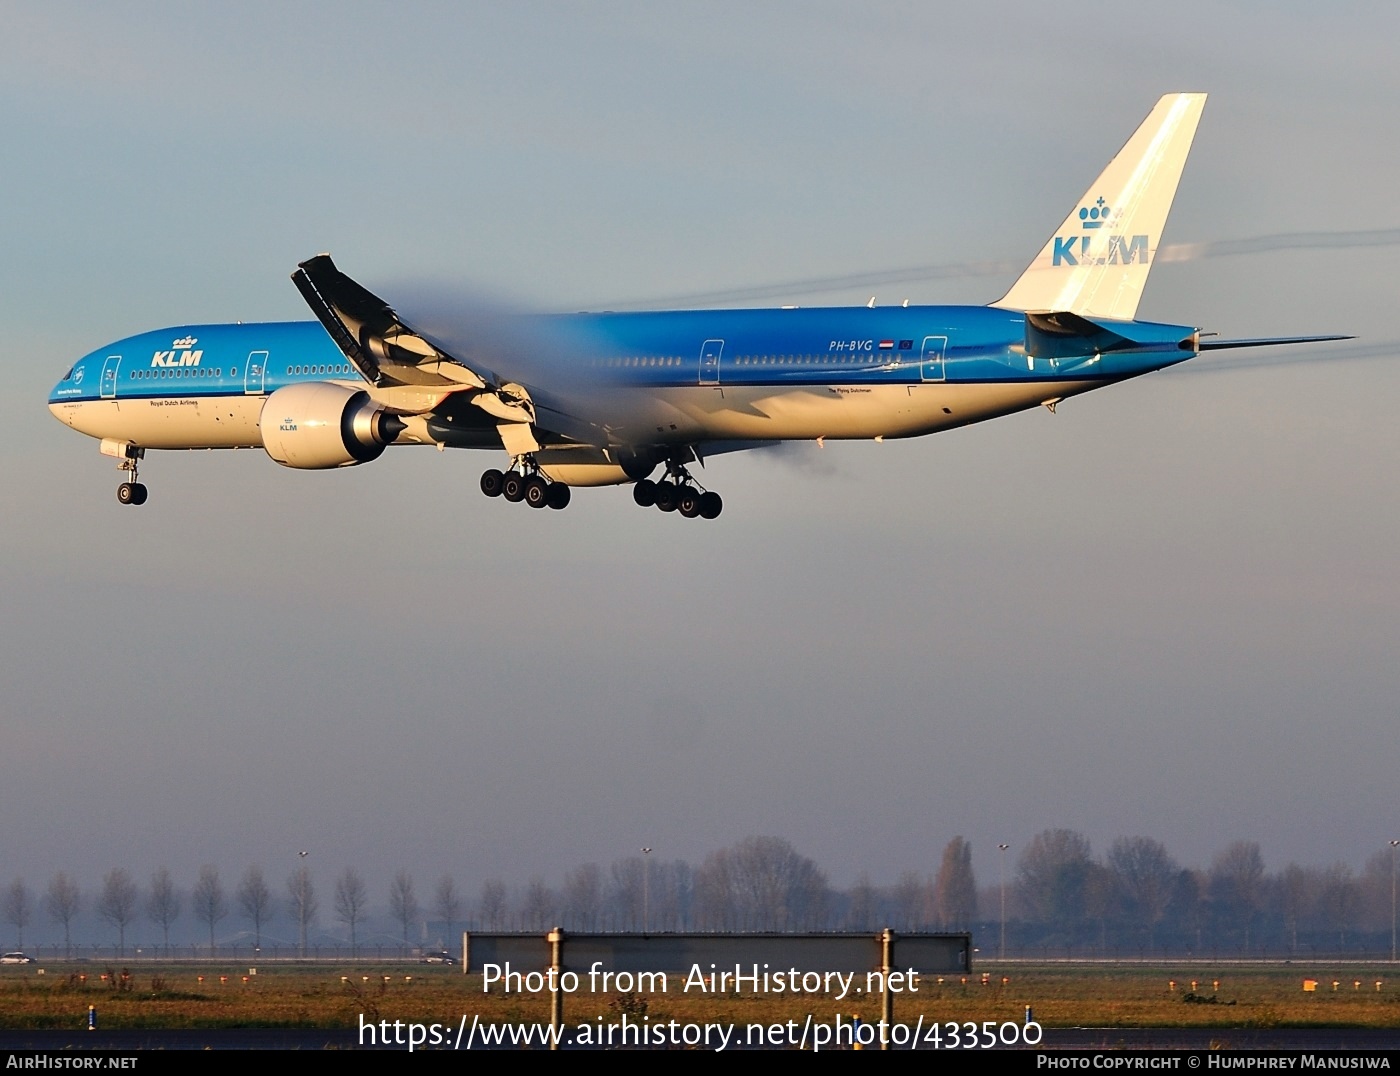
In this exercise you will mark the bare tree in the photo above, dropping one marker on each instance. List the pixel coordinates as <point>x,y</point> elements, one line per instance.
<point>492,911</point>
<point>1051,873</point>
<point>403,902</point>
<point>1188,904</point>
<point>714,894</point>
<point>860,915</point>
<point>1376,892</point>
<point>62,900</point>
<point>627,891</point>
<point>447,903</point>
<point>672,894</point>
<point>19,906</point>
<point>955,888</point>
<point>583,896</point>
<point>301,902</point>
<point>256,901</point>
<point>539,905</point>
<point>208,900</point>
<point>1340,899</point>
<point>912,900</point>
<point>117,903</point>
<point>1237,883</point>
<point>645,893</point>
<point>1101,898</point>
<point>761,883</point>
<point>1294,889</point>
<point>163,904</point>
<point>1146,874</point>
<point>350,903</point>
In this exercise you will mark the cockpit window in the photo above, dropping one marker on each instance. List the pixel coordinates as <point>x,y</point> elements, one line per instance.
<point>69,375</point>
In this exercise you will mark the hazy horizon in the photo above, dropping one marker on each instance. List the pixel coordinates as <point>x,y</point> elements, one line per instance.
<point>1169,609</point>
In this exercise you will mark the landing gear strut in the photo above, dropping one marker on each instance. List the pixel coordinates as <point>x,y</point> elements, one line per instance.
<point>524,482</point>
<point>678,492</point>
<point>132,492</point>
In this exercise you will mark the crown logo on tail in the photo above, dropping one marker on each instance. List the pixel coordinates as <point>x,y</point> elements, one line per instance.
<point>1094,216</point>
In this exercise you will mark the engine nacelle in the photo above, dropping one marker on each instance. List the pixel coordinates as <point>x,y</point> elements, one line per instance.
<point>319,425</point>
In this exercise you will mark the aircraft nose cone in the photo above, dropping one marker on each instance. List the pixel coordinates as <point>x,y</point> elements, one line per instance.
<point>65,415</point>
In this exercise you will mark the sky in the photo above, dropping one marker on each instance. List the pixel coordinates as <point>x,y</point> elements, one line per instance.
<point>1170,609</point>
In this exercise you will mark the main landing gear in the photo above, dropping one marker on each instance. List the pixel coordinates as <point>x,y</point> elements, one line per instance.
<point>525,484</point>
<point>132,492</point>
<point>678,492</point>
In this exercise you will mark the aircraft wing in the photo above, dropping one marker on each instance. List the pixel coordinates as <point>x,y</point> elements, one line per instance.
<point>389,353</point>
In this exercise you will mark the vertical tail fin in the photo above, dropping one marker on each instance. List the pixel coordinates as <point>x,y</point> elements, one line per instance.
<point>1096,263</point>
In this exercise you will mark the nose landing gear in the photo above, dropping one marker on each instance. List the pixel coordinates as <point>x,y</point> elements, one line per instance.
<point>132,492</point>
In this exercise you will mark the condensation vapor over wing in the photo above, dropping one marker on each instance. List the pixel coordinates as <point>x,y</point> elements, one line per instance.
<point>915,274</point>
<point>487,332</point>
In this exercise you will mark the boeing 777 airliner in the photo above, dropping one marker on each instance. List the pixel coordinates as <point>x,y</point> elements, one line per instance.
<point>598,399</point>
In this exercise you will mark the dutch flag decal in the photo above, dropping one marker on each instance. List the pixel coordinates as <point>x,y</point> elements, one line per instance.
<point>886,345</point>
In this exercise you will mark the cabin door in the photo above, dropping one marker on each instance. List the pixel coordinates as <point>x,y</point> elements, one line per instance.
<point>709,362</point>
<point>255,373</point>
<point>108,388</point>
<point>932,367</point>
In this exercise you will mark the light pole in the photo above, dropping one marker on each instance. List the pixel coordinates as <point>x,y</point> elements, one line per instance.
<point>1393,846</point>
<point>1001,861</point>
<point>646,890</point>
<point>300,898</point>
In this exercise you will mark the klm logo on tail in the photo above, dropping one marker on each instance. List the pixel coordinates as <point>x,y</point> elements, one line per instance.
<point>1096,263</point>
<point>1082,250</point>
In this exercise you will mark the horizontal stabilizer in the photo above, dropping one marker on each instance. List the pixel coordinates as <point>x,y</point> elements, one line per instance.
<point>1267,341</point>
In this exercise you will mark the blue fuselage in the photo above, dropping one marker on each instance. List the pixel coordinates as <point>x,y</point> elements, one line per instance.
<point>696,377</point>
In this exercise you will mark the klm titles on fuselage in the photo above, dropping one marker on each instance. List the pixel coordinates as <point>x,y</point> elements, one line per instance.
<point>187,356</point>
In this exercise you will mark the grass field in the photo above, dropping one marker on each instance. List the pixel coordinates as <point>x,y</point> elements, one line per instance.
<point>1060,995</point>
